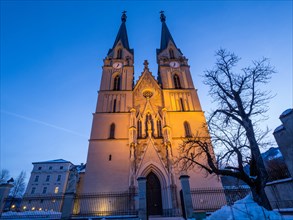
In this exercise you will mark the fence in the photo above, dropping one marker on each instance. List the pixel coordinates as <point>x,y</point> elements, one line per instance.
<point>105,204</point>
<point>48,206</point>
<point>116,204</point>
<point>211,199</point>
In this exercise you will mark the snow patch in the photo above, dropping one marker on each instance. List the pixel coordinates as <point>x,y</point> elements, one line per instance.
<point>244,209</point>
<point>279,128</point>
<point>33,214</point>
<point>280,181</point>
<point>286,112</point>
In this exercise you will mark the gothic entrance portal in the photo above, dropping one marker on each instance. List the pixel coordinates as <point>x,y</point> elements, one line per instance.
<point>154,196</point>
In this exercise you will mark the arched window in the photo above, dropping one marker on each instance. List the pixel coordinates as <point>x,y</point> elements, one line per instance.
<point>176,81</point>
<point>187,129</point>
<point>112,131</point>
<point>114,105</point>
<point>139,129</point>
<point>181,103</point>
<point>171,53</point>
<point>159,128</point>
<point>119,54</point>
<point>116,83</point>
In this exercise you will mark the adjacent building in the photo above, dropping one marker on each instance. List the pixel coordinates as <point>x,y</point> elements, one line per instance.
<point>280,192</point>
<point>284,137</point>
<point>47,185</point>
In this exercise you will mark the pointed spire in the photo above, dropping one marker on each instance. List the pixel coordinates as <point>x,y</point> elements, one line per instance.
<point>122,34</point>
<point>165,36</point>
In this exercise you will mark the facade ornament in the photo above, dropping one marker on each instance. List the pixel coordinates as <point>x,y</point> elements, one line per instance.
<point>149,126</point>
<point>162,17</point>
<point>72,180</point>
<point>123,17</point>
<point>146,65</point>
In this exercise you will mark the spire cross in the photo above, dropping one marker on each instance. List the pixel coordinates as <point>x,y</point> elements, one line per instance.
<point>162,17</point>
<point>146,63</point>
<point>123,17</point>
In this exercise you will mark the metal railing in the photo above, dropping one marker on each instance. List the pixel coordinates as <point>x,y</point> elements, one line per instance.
<point>48,206</point>
<point>211,199</point>
<point>105,204</point>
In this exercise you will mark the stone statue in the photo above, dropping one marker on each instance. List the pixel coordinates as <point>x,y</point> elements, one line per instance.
<point>72,180</point>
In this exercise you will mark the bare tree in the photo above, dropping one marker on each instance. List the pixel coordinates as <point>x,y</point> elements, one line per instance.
<point>4,175</point>
<point>277,169</point>
<point>19,186</point>
<point>233,126</point>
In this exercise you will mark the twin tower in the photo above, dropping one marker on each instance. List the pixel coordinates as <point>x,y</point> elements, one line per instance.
<point>137,128</point>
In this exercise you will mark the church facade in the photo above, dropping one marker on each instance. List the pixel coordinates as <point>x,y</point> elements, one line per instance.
<point>137,128</point>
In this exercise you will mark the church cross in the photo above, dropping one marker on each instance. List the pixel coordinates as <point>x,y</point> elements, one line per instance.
<point>162,17</point>
<point>146,63</point>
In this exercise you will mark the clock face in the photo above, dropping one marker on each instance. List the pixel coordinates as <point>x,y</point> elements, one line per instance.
<point>117,65</point>
<point>174,64</point>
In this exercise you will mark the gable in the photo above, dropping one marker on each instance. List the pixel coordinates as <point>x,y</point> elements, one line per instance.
<point>147,94</point>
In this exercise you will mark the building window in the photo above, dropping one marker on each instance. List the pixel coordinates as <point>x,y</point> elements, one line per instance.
<point>181,103</point>
<point>119,54</point>
<point>56,190</point>
<point>114,105</point>
<point>39,168</point>
<point>176,81</point>
<point>112,131</point>
<point>61,167</point>
<point>59,178</point>
<point>36,178</point>
<point>187,129</point>
<point>48,178</point>
<point>44,190</point>
<point>50,168</point>
<point>33,190</point>
<point>139,129</point>
<point>117,83</point>
<point>171,53</point>
<point>159,128</point>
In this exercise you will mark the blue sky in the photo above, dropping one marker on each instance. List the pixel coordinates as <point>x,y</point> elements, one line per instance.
<point>52,52</point>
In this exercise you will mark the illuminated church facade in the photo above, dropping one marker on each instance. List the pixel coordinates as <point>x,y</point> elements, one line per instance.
<point>137,128</point>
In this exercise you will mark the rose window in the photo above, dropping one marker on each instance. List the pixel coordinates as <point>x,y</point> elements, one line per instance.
<point>147,94</point>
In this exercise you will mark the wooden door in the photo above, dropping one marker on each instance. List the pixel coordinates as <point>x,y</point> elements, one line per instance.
<point>154,195</point>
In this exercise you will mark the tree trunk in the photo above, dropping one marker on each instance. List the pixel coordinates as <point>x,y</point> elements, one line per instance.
<point>260,197</point>
<point>258,191</point>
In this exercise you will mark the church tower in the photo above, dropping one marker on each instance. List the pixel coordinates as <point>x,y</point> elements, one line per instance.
<point>108,153</point>
<point>137,128</point>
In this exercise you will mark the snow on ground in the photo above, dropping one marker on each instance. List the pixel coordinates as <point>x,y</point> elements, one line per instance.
<point>32,214</point>
<point>245,209</point>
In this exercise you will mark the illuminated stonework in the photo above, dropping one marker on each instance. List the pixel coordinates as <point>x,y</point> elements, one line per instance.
<point>140,126</point>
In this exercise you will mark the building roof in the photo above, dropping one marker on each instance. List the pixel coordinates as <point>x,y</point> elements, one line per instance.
<point>229,181</point>
<point>122,35</point>
<point>286,112</point>
<point>53,161</point>
<point>279,128</point>
<point>81,168</point>
<point>166,36</point>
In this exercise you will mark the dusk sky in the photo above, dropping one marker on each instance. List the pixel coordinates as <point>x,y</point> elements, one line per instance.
<point>52,55</point>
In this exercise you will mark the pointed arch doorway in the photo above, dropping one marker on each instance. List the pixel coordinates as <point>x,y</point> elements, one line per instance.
<point>154,195</point>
